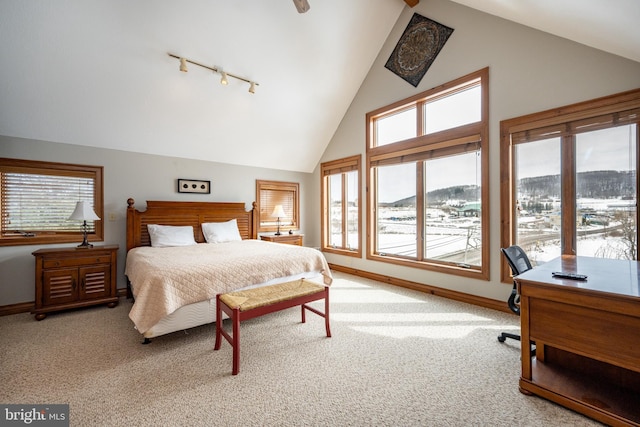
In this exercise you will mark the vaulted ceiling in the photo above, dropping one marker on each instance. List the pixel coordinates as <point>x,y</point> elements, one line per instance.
<point>98,73</point>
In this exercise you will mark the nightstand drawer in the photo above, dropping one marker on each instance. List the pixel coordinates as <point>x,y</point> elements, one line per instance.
<point>85,260</point>
<point>289,239</point>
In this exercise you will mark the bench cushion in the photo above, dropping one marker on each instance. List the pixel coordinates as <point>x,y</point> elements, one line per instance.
<point>267,295</point>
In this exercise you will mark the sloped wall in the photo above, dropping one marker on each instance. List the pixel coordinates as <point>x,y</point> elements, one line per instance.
<point>529,71</point>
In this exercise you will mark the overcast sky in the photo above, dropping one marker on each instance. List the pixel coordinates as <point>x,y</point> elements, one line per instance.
<point>607,149</point>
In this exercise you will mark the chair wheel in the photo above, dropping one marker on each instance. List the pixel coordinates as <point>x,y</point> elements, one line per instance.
<point>501,338</point>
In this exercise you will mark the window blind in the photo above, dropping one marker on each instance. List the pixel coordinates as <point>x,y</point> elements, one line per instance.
<point>40,203</point>
<point>426,152</point>
<point>578,125</point>
<point>341,166</point>
<point>270,198</point>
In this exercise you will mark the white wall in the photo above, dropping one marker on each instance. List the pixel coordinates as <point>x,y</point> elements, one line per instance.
<point>142,177</point>
<point>529,71</point>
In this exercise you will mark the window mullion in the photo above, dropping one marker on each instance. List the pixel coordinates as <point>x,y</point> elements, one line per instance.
<point>420,210</point>
<point>635,248</point>
<point>420,124</point>
<point>568,180</point>
<point>345,207</point>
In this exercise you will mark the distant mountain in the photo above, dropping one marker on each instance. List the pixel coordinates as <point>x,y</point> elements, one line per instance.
<point>402,203</point>
<point>469,193</point>
<point>594,184</point>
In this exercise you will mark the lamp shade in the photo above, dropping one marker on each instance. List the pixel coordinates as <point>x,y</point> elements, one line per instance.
<point>84,212</point>
<point>278,212</point>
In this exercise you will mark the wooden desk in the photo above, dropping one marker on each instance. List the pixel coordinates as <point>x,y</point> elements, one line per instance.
<point>587,336</point>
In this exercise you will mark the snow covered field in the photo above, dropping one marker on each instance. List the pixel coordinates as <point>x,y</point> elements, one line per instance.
<point>457,239</point>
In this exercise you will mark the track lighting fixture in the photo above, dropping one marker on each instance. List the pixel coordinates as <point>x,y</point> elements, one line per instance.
<point>224,79</point>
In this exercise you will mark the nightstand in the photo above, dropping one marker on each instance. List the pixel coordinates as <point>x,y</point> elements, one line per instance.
<point>289,239</point>
<point>71,278</point>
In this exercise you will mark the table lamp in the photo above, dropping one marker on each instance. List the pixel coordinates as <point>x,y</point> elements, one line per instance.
<point>279,213</point>
<point>83,212</point>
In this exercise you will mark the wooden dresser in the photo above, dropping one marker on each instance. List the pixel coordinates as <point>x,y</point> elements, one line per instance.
<point>289,239</point>
<point>71,278</point>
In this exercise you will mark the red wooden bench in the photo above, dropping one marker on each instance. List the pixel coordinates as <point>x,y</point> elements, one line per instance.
<point>250,303</point>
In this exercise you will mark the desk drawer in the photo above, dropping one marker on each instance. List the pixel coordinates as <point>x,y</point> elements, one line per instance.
<point>602,335</point>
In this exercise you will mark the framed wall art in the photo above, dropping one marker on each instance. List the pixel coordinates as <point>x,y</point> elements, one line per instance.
<point>418,47</point>
<point>194,186</point>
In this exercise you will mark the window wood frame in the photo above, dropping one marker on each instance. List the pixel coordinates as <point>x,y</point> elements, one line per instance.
<point>274,190</point>
<point>456,140</point>
<point>334,167</point>
<point>73,170</point>
<point>564,122</point>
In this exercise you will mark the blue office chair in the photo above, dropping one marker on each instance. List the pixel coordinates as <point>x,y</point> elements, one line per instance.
<point>519,263</point>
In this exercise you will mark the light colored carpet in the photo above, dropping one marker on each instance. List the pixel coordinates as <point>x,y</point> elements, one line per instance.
<point>397,357</point>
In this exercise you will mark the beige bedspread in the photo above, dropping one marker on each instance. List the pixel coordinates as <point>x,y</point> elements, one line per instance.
<point>165,279</point>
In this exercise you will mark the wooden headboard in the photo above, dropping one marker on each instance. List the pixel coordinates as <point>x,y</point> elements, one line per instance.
<point>187,213</point>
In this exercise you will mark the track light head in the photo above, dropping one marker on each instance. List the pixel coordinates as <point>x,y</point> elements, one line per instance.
<point>302,5</point>
<point>224,79</point>
<point>252,88</point>
<point>183,65</point>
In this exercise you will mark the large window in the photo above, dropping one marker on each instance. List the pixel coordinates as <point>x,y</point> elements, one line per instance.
<point>340,195</point>
<point>569,180</point>
<point>427,174</point>
<point>37,199</point>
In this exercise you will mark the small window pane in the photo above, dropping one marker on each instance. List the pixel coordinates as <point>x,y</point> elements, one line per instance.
<point>353,238</point>
<point>605,193</point>
<point>453,227</point>
<point>335,206</point>
<point>396,127</point>
<point>538,193</point>
<point>458,109</point>
<point>396,210</point>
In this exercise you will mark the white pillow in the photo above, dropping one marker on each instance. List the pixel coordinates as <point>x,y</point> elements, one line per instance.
<point>220,232</point>
<point>163,236</point>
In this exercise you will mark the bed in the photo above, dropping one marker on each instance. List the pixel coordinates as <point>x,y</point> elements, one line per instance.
<point>174,287</point>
